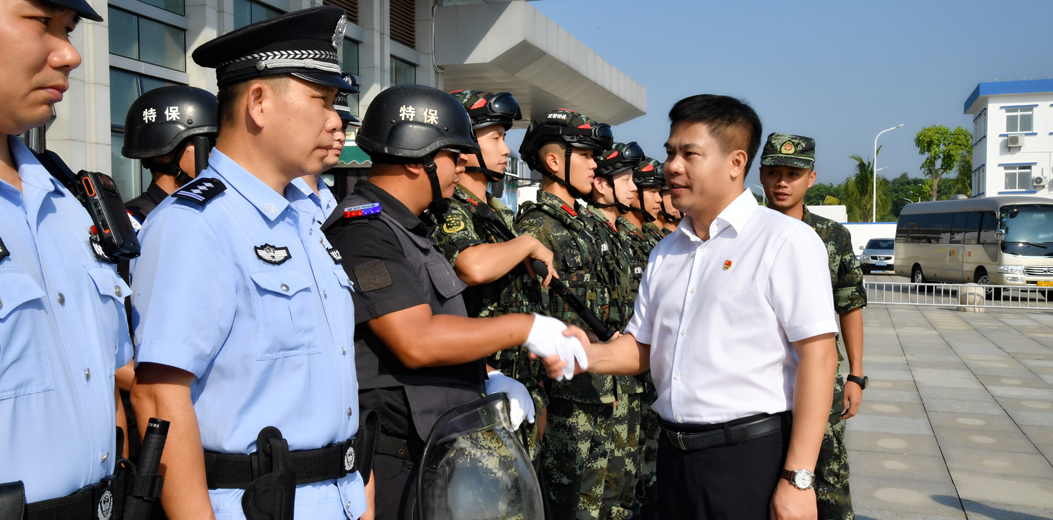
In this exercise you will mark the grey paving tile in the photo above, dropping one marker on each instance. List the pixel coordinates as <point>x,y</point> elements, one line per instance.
<point>962,406</point>
<point>1023,465</point>
<point>892,409</point>
<point>984,440</point>
<point>893,467</point>
<point>1024,380</point>
<point>887,424</point>
<point>865,514</point>
<point>1021,391</point>
<point>1031,418</point>
<point>1024,404</point>
<point>892,396</point>
<point>991,511</point>
<point>966,394</point>
<point>859,440</point>
<point>907,497</point>
<point>998,489</point>
<point>1038,434</point>
<point>965,421</point>
<point>889,375</point>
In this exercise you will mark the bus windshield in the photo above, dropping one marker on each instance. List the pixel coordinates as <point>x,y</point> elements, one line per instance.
<point>1028,230</point>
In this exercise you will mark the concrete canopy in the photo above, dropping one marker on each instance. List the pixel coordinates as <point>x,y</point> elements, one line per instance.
<point>512,47</point>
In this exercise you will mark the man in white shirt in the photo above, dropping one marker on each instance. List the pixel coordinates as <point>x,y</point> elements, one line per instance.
<point>735,320</point>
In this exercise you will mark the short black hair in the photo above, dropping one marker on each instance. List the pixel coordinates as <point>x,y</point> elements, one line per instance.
<point>732,122</point>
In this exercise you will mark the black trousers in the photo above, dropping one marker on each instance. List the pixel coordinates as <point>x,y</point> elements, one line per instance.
<point>733,482</point>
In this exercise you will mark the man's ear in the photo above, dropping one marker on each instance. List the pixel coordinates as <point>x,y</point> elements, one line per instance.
<point>254,103</point>
<point>416,170</point>
<point>551,160</point>
<point>811,179</point>
<point>737,163</point>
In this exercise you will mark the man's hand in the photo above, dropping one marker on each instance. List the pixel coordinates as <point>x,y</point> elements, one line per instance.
<point>540,252</point>
<point>546,339</point>
<point>521,405</point>
<point>853,398</point>
<point>790,503</point>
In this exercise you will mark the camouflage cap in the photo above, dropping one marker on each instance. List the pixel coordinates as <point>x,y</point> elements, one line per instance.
<point>788,150</point>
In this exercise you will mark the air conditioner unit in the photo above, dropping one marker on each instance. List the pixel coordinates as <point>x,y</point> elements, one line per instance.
<point>1038,181</point>
<point>1015,141</point>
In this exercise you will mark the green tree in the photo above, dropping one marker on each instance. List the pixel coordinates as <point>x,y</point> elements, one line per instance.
<point>944,151</point>
<point>857,192</point>
<point>962,182</point>
<point>906,189</point>
<point>817,194</point>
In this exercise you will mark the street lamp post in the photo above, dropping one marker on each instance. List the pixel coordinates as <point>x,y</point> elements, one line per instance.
<point>874,205</point>
<point>764,198</point>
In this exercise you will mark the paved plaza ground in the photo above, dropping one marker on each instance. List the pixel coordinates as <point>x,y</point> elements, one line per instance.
<point>958,419</point>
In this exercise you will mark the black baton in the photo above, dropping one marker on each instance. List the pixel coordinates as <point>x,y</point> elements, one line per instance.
<point>146,486</point>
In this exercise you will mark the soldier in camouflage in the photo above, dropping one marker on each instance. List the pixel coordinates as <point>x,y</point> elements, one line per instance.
<point>612,189</point>
<point>668,217</point>
<point>580,429</point>
<point>477,235</point>
<point>644,235</point>
<point>787,171</point>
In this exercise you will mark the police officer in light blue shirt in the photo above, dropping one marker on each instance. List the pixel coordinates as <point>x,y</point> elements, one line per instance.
<point>321,197</point>
<point>62,321</point>
<point>242,311</point>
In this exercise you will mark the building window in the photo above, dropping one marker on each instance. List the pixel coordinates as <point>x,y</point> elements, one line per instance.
<point>403,25</point>
<point>143,39</point>
<point>980,125</point>
<point>350,8</point>
<point>1017,177</point>
<point>347,55</point>
<point>980,181</point>
<point>402,72</point>
<point>247,12</point>
<point>175,6</point>
<point>125,88</point>
<point>1019,120</point>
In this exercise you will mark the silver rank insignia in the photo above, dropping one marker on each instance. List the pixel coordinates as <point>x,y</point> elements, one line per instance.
<point>272,254</point>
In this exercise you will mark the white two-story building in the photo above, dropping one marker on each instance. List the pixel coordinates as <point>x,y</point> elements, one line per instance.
<point>1012,137</point>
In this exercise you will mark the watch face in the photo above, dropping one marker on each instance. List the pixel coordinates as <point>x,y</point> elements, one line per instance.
<point>803,479</point>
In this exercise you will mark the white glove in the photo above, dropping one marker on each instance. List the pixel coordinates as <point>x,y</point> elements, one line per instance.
<point>520,404</point>
<point>546,339</point>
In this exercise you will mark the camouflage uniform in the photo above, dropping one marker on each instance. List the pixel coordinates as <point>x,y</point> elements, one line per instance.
<point>625,462</point>
<point>646,490</point>
<point>831,485</point>
<point>654,232</point>
<point>831,470</point>
<point>513,292</point>
<point>579,434</point>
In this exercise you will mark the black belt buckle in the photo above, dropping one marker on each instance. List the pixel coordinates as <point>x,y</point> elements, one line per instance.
<point>350,460</point>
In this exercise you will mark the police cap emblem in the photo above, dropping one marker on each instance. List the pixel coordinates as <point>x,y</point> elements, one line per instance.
<point>338,34</point>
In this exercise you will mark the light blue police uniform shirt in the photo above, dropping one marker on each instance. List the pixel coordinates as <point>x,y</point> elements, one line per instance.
<point>270,344</point>
<point>324,201</point>
<point>63,333</point>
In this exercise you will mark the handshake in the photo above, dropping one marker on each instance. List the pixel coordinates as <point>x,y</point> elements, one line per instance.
<point>558,351</point>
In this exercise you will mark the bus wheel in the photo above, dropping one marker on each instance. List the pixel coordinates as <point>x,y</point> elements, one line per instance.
<point>983,279</point>
<point>916,275</point>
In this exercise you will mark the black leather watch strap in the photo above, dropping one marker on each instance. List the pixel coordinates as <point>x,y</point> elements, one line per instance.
<point>861,381</point>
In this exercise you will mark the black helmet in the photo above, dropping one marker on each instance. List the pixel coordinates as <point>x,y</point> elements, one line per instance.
<point>647,174</point>
<point>569,127</point>
<point>409,124</point>
<point>340,102</point>
<point>619,158</point>
<point>487,109</point>
<point>164,120</point>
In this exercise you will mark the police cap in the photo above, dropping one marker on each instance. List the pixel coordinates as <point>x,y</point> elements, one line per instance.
<point>78,6</point>
<point>302,43</point>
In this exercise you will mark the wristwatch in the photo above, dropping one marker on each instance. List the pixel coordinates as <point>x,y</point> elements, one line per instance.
<point>801,479</point>
<point>861,381</point>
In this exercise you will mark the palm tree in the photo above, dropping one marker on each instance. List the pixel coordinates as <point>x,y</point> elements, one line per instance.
<point>857,192</point>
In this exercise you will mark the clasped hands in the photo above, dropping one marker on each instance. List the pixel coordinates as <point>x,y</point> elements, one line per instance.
<point>559,347</point>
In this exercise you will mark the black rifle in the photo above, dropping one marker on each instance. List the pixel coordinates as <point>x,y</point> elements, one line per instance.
<point>586,315</point>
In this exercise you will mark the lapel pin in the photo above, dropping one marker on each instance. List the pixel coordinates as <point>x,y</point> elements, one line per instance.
<point>727,264</point>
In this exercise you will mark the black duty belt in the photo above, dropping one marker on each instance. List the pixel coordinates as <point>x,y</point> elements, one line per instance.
<point>395,447</point>
<point>104,500</point>
<point>725,435</point>
<point>229,470</point>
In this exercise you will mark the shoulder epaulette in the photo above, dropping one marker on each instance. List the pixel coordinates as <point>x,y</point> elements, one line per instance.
<point>201,190</point>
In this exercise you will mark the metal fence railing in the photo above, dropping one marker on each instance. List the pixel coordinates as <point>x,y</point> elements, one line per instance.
<point>959,295</point>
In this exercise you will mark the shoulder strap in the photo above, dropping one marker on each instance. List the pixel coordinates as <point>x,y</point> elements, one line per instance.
<point>200,190</point>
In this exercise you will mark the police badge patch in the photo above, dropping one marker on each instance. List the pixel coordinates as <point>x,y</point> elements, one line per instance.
<point>272,255</point>
<point>453,224</point>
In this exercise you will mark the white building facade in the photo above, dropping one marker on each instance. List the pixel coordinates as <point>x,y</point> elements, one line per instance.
<point>144,44</point>
<point>1012,137</point>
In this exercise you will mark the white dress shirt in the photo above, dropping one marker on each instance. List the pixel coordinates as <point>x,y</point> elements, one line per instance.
<point>721,315</point>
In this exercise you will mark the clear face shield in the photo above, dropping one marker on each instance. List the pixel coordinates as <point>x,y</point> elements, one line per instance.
<point>474,467</point>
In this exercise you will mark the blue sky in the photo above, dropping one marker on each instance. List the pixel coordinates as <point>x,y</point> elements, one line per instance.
<point>837,71</point>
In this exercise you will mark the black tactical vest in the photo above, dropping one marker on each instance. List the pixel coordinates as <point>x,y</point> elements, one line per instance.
<point>431,391</point>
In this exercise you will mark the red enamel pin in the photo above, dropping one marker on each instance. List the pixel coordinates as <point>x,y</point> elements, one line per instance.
<point>727,264</point>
